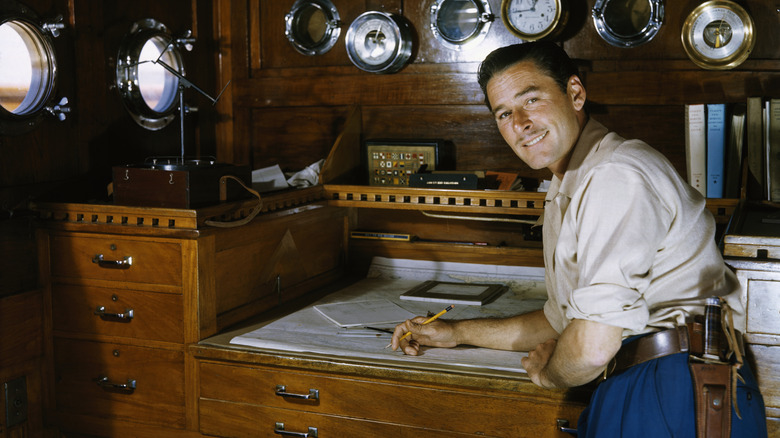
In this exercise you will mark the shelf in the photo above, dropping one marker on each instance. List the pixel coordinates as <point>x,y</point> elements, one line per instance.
<point>460,201</point>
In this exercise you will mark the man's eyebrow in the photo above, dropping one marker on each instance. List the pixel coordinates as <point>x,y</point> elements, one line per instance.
<point>526,90</point>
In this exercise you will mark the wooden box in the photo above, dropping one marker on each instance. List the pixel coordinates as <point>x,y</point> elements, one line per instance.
<point>754,232</point>
<point>177,185</point>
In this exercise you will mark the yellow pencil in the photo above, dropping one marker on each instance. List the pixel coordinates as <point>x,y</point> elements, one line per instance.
<point>425,322</point>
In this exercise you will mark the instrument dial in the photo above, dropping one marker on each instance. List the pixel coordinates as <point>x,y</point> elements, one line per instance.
<point>718,35</point>
<point>379,42</point>
<point>533,19</point>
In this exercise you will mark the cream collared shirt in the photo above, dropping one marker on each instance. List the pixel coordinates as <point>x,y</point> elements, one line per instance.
<point>627,242</point>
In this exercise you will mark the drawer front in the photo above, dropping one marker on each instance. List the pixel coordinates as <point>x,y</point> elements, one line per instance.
<point>767,373</point>
<point>380,401</point>
<point>763,306</point>
<point>117,312</point>
<point>236,420</point>
<point>116,258</point>
<point>97,379</point>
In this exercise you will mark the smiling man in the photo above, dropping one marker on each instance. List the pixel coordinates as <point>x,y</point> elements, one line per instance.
<point>630,259</point>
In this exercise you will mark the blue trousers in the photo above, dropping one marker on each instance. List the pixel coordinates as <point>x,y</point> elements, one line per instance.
<point>655,399</point>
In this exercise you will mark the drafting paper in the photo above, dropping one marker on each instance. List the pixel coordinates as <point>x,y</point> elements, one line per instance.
<point>367,312</point>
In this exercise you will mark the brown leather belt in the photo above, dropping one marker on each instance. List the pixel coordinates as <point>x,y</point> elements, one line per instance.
<point>652,346</point>
<point>681,339</point>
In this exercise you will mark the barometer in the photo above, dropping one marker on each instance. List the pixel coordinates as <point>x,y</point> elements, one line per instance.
<point>379,42</point>
<point>718,35</point>
<point>533,20</point>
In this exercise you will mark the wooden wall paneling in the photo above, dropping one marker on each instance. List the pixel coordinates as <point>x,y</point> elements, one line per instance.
<point>296,137</point>
<point>223,61</point>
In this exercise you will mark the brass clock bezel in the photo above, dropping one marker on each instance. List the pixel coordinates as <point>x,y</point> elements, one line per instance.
<point>295,23</point>
<point>555,28</point>
<point>691,35</point>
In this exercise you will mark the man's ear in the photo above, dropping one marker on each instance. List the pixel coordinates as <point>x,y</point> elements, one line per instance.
<point>576,92</point>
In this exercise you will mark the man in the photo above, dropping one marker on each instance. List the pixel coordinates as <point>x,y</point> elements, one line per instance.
<point>629,253</point>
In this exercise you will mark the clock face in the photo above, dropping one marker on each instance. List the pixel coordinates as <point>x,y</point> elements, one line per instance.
<point>531,19</point>
<point>378,42</point>
<point>718,35</point>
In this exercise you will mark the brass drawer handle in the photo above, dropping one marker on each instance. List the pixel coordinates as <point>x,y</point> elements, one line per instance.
<point>314,394</point>
<point>123,317</point>
<point>125,263</point>
<point>279,429</point>
<point>106,384</point>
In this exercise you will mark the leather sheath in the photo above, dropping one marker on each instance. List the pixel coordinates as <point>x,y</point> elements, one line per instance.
<point>712,395</point>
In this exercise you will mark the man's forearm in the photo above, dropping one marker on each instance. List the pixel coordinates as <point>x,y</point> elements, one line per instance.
<point>516,333</point>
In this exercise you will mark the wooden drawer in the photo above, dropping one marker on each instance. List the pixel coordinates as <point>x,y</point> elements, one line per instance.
<point>763,305</point>
<point>158,397</point>
<point>767,373</point>
<point>145,315</point>
<point>237,420</point>
<point>136,259</point>
<point>511,414</point>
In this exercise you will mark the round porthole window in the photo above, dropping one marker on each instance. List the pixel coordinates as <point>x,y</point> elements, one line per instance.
<point>628,23</point>
<point>28,69</point>
<point>312,26</point>
<point>458,24</point>
<point>149,89</point>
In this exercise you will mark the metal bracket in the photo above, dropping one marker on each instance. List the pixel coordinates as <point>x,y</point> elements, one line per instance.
<point>15,401</point>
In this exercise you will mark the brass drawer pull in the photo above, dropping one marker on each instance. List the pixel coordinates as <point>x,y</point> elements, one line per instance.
<point>123,317</point>
<point>314,394</point>
<point>106,384</point>
<point>125,263</point>
<point>279,429</point>
<point>563,426</point>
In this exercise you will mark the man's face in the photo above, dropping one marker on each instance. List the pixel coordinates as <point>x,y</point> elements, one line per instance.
<point>536,118</point>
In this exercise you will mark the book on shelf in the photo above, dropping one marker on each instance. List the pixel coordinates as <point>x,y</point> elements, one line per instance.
<point>734,152</point>
<point>754,137</point>
<point>695,146</point>
<point>773,150</point>
<point>715,150</point>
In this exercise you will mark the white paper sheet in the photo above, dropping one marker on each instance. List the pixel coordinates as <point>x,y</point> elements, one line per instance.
<point>308,331</point>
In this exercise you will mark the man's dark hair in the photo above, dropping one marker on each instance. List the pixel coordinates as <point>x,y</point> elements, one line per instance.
<point>548,57</point>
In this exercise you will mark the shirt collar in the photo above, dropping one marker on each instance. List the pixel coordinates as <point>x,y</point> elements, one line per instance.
<point>587,144</point>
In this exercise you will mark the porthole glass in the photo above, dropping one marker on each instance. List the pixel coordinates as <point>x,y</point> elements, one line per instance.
<point>460,23</point>
<point>28,69</point>
<point>628,23</point>
<point>312,26</point>
<point>150,91</point>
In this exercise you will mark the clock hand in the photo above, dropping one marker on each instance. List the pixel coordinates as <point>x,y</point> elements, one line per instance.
<point>718,32</point>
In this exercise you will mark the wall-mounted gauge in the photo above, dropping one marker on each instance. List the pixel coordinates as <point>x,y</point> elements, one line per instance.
<point>312,26</point>
<point>533,20</point>
<point>458,24</point>
<point>379,42</point>
<point>718,35</point>
<point>628,23</point>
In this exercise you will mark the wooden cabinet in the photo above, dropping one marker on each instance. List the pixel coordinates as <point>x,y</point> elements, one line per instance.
<point>127,289</point>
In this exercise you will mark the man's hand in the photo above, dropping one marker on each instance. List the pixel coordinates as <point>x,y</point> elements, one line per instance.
<point>537,360</point>
<point>435,334</point>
